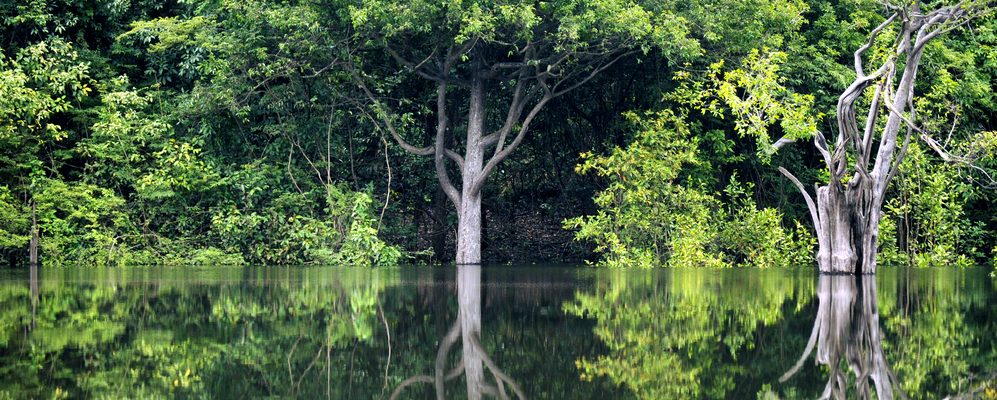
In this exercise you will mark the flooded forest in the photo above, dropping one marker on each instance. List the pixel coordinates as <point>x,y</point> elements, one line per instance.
<point>655,199</point>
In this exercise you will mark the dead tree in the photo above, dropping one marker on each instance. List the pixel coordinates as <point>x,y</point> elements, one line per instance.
<point>866,156</point>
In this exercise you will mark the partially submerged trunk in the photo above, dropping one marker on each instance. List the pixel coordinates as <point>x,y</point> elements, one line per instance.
<point>847,211</point>
<point>33,243</point>
<point>469,204</point>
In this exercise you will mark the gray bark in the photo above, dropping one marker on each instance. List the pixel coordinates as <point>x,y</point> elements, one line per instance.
<point>469,208</point>
<point>848,210</point>
<point>33,244</point>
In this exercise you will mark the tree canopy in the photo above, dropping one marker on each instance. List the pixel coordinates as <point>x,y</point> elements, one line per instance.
<point>317,131</point>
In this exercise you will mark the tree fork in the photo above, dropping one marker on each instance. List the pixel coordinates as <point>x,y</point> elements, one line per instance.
<point>847,211</point>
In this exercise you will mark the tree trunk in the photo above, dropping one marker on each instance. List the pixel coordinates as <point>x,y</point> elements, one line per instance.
<point>469,231</point>
<point>847,211</point>
<point>469,209</point>
<point>33,244</point>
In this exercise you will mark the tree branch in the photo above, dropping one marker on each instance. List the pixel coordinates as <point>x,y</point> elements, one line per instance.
<point>810,201</point>
<point>439,151</point>
<point>383,113</point>
<point>504,153</point>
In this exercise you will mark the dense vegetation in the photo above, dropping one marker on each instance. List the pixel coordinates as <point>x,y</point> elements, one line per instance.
<point>265,132</point>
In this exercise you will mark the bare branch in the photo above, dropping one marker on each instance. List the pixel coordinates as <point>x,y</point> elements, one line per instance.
<point>872,40</point>
<point>810,201</point>
<point>592,74</point>
<point>782,142</point>
<point>516,107</point>
<point>439,152</point>
<point>502,155</point>
<point>386,120</point>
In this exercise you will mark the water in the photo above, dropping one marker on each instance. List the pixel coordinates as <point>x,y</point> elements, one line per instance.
<point>348,333</point>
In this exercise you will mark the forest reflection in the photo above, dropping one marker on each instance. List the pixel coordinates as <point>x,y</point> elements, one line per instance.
<point>737,334</point>
<point>504,332</point>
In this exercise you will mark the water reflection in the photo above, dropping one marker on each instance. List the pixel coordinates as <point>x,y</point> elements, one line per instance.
<point>474,359</point>
<point>847,328</point>
<point>733,334</point>
<point>491,332</point>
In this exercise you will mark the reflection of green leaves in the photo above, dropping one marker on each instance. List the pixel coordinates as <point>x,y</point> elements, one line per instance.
<point>690,333</point>
<point>178,339</point>
<point>673,339</point>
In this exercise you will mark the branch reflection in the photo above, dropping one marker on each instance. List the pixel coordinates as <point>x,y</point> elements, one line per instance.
<point>474,361</point>
<point>847,329</point>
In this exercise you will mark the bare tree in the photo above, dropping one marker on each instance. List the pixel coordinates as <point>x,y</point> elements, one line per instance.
<point>865,157</point>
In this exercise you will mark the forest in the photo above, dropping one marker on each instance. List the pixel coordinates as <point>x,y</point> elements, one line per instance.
<point>721,133</point>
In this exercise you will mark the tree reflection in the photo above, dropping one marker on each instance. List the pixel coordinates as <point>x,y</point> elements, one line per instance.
<point>684,333</point>
<point>846,329</point>
<point>474,359</point>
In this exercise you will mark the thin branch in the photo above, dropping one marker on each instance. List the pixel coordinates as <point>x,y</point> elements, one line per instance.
<point>782,142</point>
<point>439,151</point>
<point>592,74</point>
<point>810,201</point>
<point>872,40</point>
<point>387,194</point>
<point>502,155</point>
<point>383,112</point>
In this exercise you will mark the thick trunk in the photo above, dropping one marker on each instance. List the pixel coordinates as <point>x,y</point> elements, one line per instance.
<point>469,231</point>
<point>469,209</point>
<point>849,229</point>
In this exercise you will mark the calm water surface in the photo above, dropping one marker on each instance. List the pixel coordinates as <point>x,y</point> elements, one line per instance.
<point>505,332</point>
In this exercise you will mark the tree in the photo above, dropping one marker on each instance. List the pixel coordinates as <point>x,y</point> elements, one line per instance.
<point>529,54</point>
<point>847,210</point>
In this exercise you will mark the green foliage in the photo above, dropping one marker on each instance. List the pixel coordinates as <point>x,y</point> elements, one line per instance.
<point>653,212</point>
<point>362,246</point>
<point>80,223</point>
<point>646,214</point>
<point>928,225</point>
<point>211,132</point>
<point>15,229</point>
<point>757,97</point>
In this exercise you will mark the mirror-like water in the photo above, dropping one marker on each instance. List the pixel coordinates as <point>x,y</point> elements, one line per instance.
<point>502,332</point>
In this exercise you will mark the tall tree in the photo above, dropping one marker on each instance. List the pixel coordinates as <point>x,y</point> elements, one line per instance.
<point>519,55</point>
<point>847,212</point>
<point>867,151</point>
